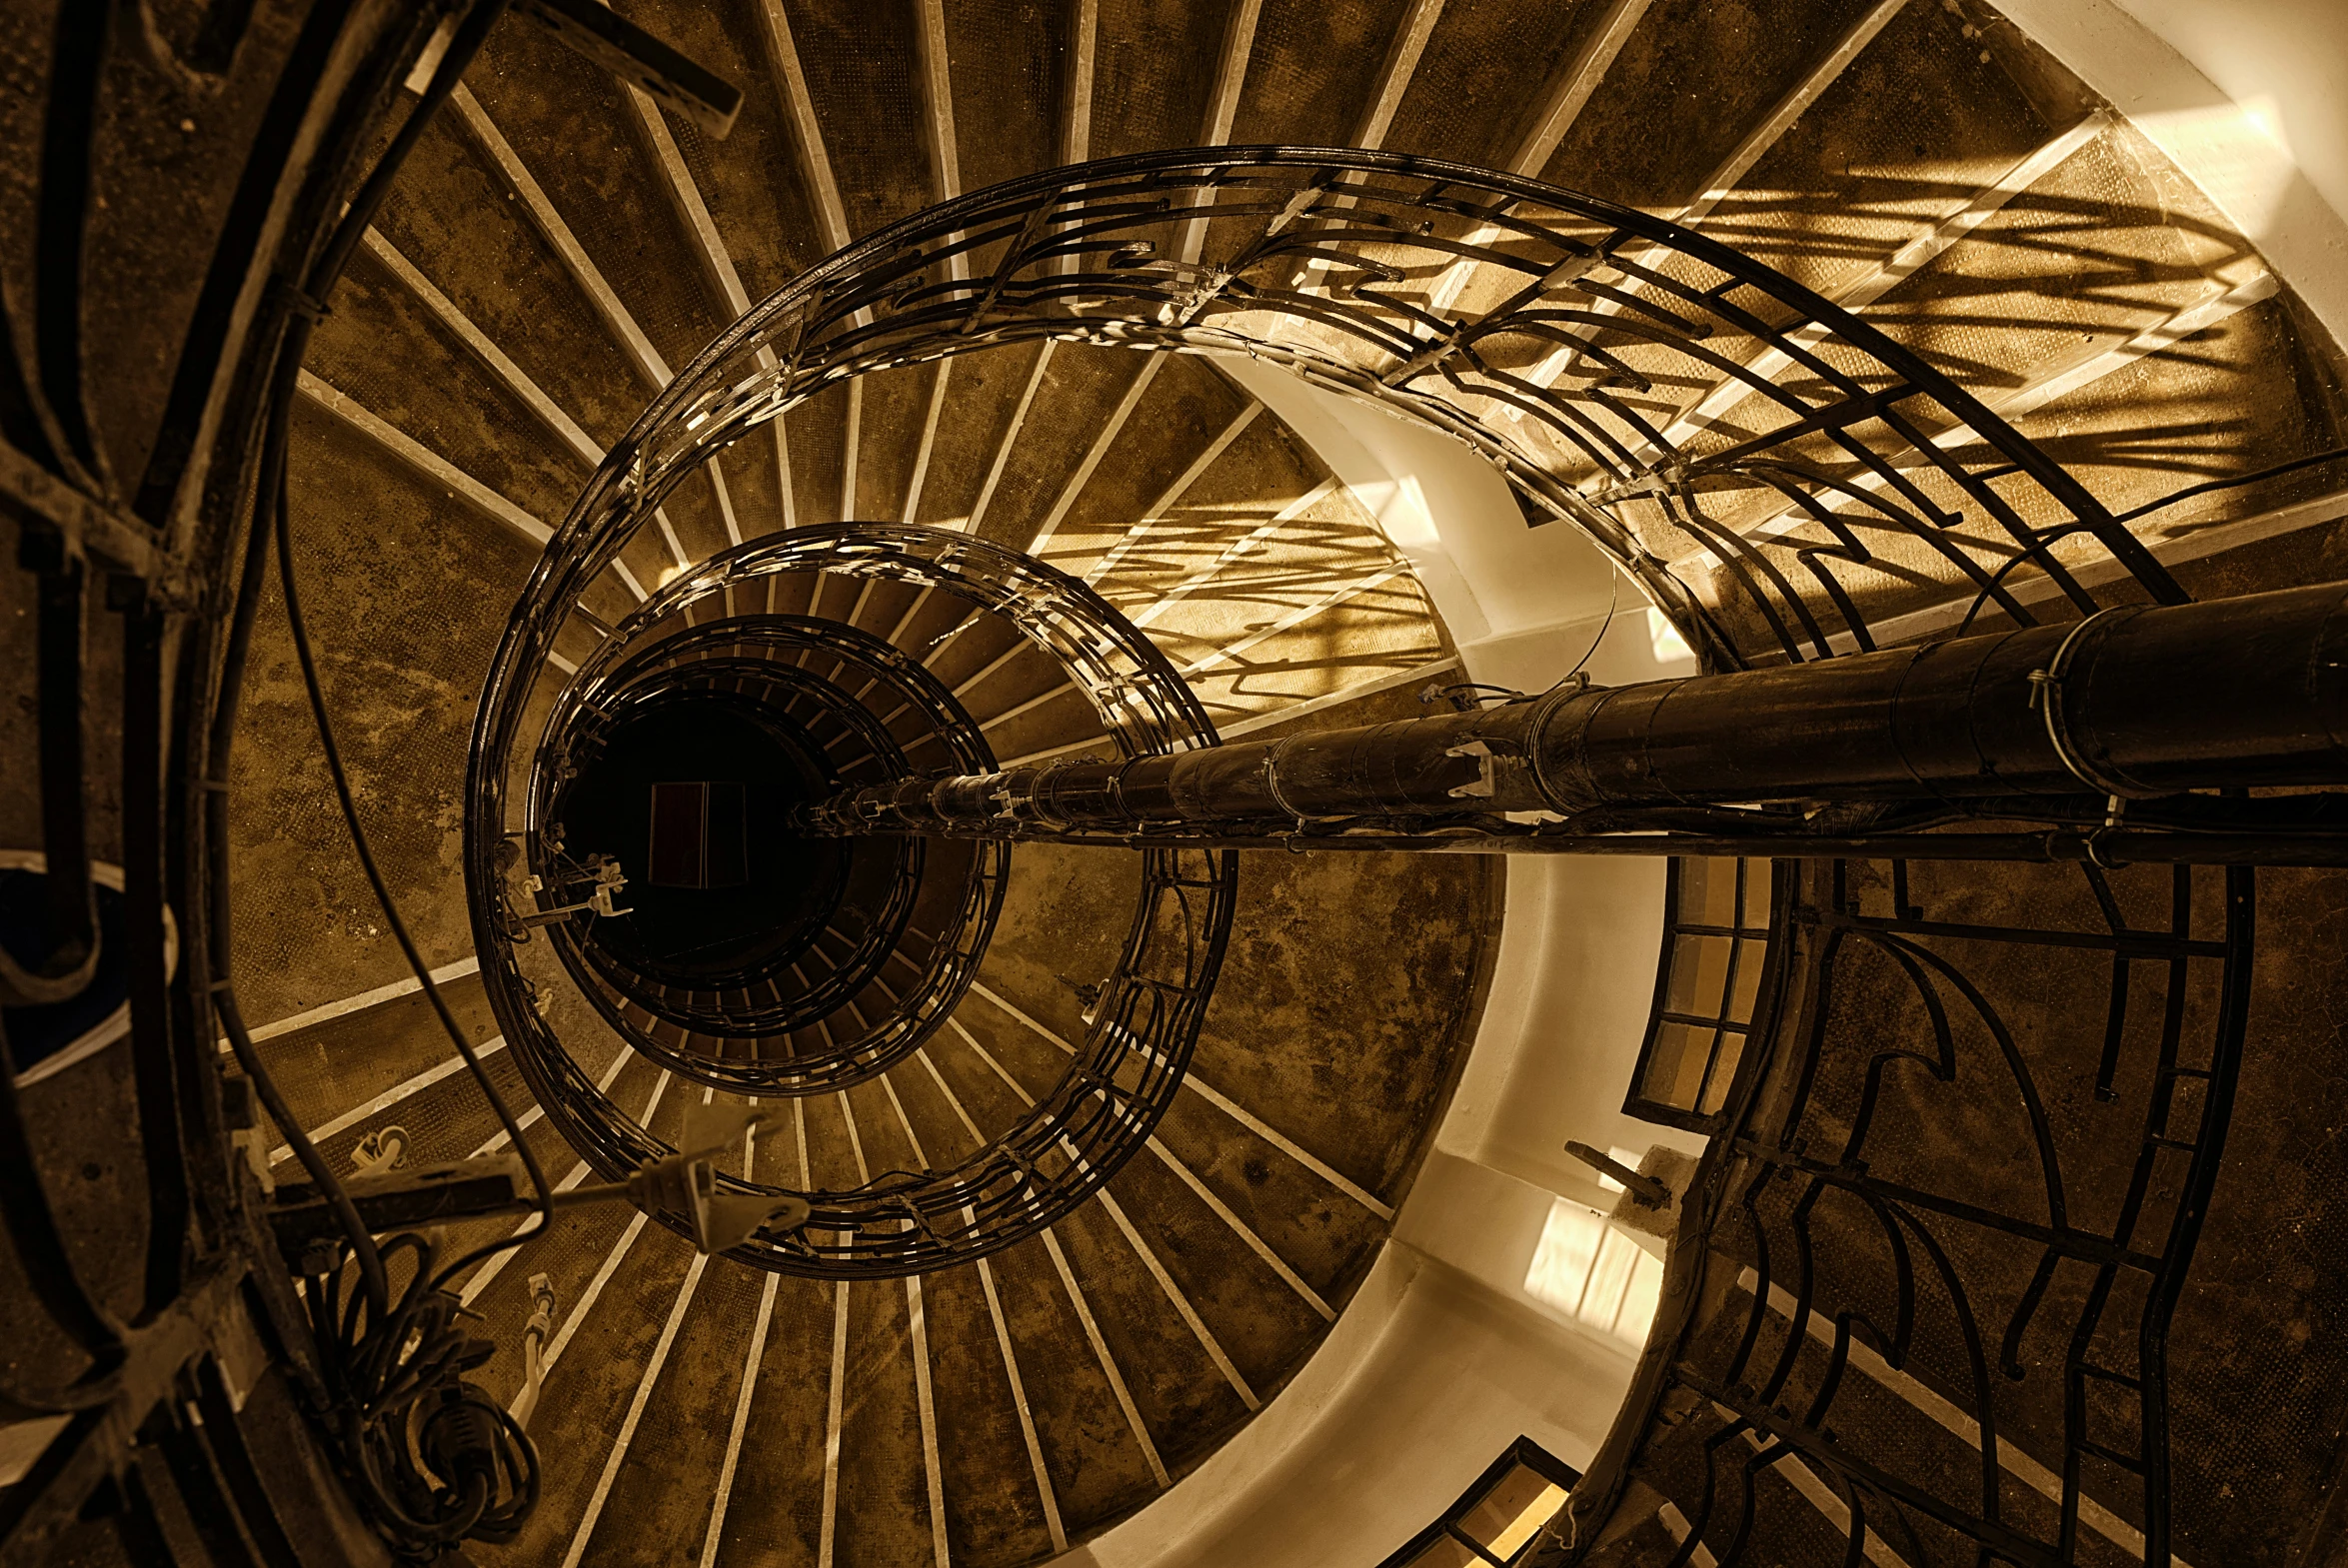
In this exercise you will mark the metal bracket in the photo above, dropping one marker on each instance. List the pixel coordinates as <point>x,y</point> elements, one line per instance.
<point>400,1199</point>
<point>2046,694</point>
<point>1645,1191</point>
<point>1482,787</point>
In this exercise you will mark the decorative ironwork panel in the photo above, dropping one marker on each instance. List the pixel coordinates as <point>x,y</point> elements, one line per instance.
<point>1920,1297</point>
<point>1781,477</point>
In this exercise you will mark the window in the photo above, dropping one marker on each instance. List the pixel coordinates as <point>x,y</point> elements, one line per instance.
<point>1708,985</point>
<point>1495,1521</point>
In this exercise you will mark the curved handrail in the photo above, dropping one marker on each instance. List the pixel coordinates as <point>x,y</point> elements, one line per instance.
<point>937,985</point>
<point>648,672</point>
<point>1543,328</point>
<point>1125,1073</point>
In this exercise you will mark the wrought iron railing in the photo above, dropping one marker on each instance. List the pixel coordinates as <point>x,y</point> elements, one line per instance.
<point>140,509</point>
<point>1920,1293</point>
<point>1121,1078</point>
<point>1785,480</point>
<point>1781,477</point>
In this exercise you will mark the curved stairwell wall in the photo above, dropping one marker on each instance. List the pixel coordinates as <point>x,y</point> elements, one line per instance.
<point>550,259</point>
<point>2245,100</point>
<point>1424,1377</point>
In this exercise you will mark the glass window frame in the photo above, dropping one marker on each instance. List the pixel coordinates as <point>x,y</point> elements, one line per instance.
<point>1749,945</point>
<point>1525,1452</point>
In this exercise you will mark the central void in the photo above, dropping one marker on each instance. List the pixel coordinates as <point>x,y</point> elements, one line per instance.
<point>792,883</point>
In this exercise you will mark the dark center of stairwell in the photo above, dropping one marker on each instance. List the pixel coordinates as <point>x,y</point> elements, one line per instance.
<point>694,798</point>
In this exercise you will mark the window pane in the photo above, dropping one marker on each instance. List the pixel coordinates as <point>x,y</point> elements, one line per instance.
<point>1446,1553</point>
<point>1560,1267</point>
<point>1675,1069</point>
<point>1724,1074</point>
<point>1756,896</point>
<point>1512,1511</point>
<point>1699,975</point>
<point>1752,957</point>
<point>1707,891</point>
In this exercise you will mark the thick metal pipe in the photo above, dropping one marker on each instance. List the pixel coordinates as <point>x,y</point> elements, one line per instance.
<point>2135,702</point>
<point>2095,846</point>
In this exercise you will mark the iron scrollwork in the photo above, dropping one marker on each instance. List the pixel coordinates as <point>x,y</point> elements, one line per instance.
<point>1768,466</point>
<point>1123,1073</point>
<point>1923,1286</point>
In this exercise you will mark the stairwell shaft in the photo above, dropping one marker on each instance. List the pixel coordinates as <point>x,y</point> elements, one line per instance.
<point>2136,702</point>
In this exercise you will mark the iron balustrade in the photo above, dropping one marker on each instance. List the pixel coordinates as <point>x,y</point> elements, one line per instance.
<point>1678,401</point>
<point>867,905</point>
<point>1924,1273</point>
<point>1547,330</point>
<point>1123,1075</point>
<point>133,504</point>
<point>1659,391</point>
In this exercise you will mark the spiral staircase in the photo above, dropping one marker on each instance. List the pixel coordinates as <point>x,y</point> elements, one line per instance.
<point>988,482</point>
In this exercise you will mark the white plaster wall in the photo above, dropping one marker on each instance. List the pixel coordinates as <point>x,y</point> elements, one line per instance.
<point>1563,1024</point>
<point>2248,97</point>
<point>2284,60</point>
<point>1443,1357</point>
<point>1525,604</point>
<point>1427,1375</point>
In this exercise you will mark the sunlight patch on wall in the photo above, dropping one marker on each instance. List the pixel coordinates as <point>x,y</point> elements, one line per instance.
<point>2236,151</point>
<point>1665,637</point>
<point>1596,1274</point>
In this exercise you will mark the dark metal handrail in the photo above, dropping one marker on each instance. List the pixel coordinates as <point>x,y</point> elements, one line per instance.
<point>1543,328</point>
<point>133,506</point>
<point>1123,1075</point>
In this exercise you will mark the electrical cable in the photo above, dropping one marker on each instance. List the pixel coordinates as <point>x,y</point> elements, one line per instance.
<point>270,518</point>
<point>401,1398</point>
<point>1509,696</point>
<point>2038,544</point>
<point>1613,601</point>
<point>394,1367</point>
<point>2234,482</point>
<point>306,657</point>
